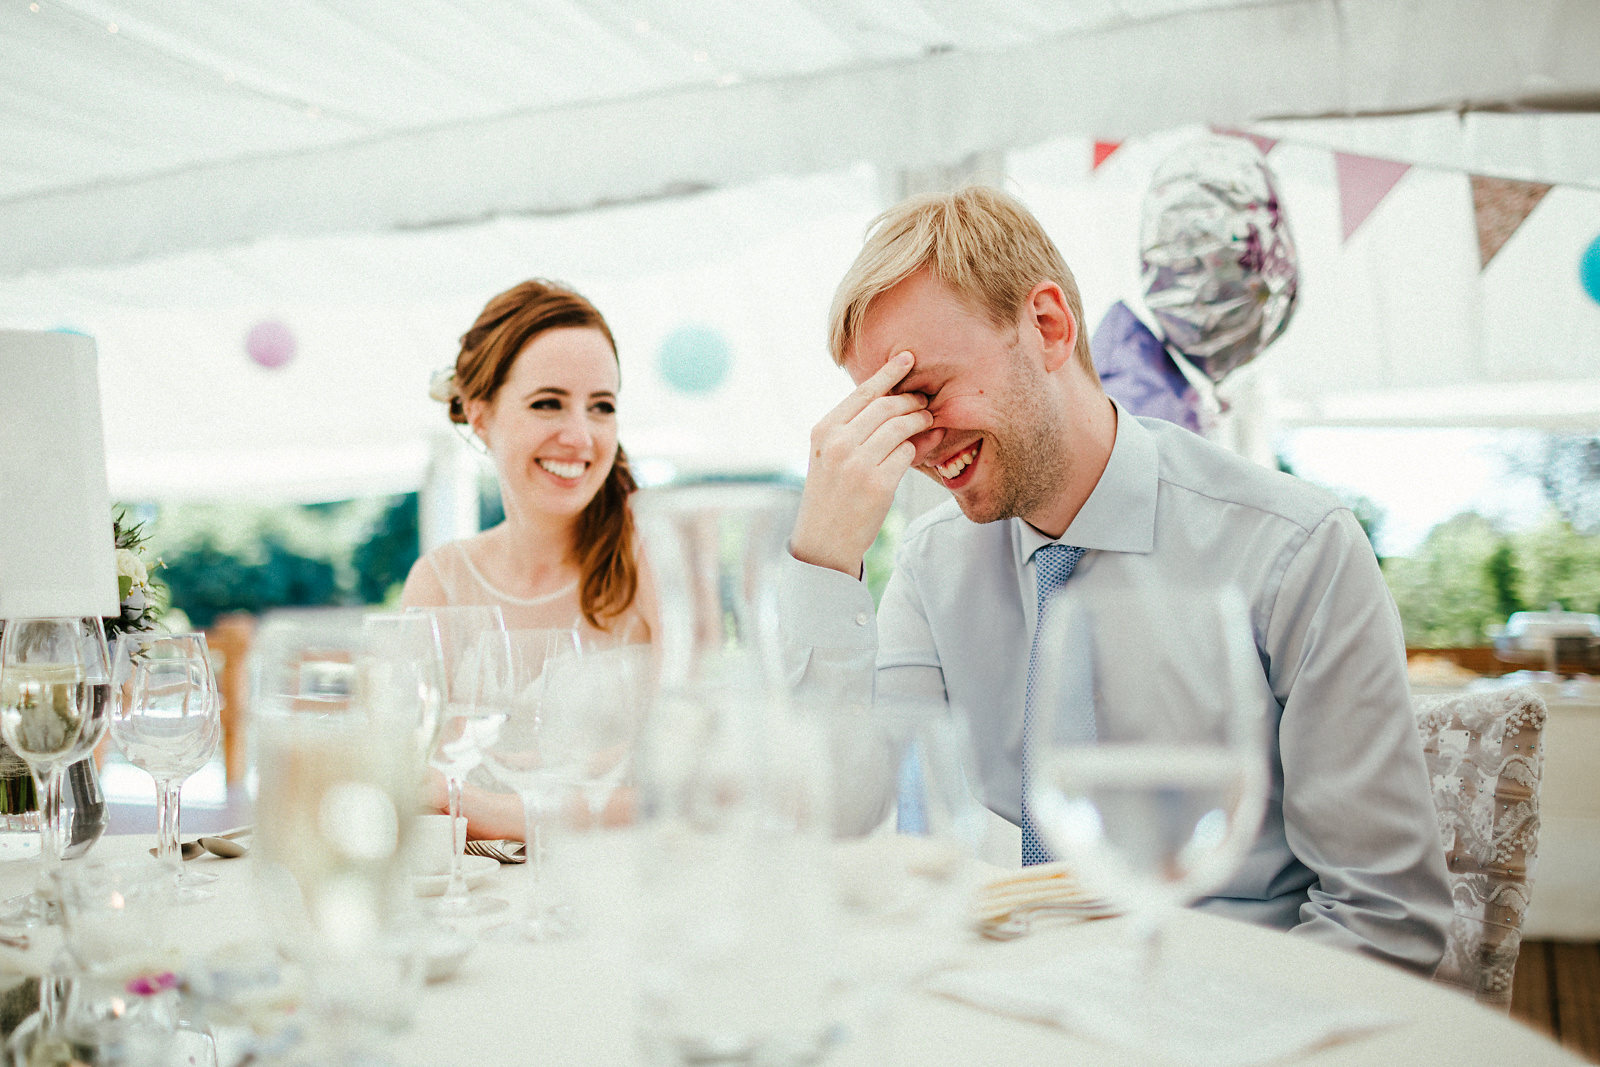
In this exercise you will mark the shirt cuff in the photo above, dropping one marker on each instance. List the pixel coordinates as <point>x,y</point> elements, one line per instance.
<point>821,608</point>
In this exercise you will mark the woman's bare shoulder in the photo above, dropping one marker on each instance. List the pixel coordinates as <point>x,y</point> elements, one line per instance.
<point>423,589</point>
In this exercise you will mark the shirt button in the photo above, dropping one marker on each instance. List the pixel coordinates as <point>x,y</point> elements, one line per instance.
<point>861,618</point>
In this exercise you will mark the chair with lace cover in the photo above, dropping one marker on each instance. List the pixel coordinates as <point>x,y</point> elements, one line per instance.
<point>1485,756</point>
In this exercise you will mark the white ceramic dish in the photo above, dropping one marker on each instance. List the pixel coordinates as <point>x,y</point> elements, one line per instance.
<point>473,868</point>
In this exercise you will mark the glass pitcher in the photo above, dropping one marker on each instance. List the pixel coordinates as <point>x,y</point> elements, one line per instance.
<point>734,942</point>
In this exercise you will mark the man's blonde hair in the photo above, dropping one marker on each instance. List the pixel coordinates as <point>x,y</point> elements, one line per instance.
<point>980,242</point>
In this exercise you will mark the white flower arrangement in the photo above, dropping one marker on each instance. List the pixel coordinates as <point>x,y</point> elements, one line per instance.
<point>136,591</point>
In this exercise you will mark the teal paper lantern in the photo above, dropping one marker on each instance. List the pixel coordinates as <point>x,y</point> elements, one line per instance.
<point>1589,269</point>
<point>694,359</point>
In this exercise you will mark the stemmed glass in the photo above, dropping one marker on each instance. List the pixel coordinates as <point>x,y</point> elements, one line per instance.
<point>608,696</point>
<point>906,872</point>
<point>465,728</point>
<point>53,706</point>
<point>534,752</point>
<point>572,716</point>
<point>409,677</point>
<point>1149,754</point>
<point>167,721</point>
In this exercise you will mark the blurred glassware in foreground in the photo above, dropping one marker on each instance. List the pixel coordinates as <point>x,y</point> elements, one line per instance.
<point>907,874</point>
<point>111,997</point>
<point>910,861</point>
<point>167,721</point>
<point>335,745</point>
<point>1150,754</point>
<point>735,939</point>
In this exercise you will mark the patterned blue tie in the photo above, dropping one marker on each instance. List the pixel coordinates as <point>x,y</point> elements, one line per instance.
<point>1054,564</point>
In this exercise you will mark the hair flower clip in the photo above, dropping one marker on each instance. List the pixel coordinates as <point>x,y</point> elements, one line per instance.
<point>442,386</point>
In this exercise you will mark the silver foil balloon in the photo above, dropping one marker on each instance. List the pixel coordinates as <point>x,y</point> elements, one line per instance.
<point>1219,266</point>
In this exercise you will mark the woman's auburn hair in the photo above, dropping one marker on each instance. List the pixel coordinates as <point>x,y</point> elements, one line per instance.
<point>605,541</point>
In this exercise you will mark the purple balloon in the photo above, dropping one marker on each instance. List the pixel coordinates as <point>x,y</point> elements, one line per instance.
<point>270,344</point>
<point>1138,372</point>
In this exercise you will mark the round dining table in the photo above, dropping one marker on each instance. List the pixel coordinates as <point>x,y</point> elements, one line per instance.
<point>572,1000</point>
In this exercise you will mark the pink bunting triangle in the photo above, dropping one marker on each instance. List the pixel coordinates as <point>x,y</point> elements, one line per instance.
<point>1263,143</point>
<point>1363,183</point>
<point>1500,206</point>
<point>1102,152</point>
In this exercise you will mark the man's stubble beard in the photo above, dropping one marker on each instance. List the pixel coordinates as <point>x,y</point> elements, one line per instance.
<point>1030,465</point>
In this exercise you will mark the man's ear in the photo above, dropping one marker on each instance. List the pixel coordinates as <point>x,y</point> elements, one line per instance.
<point>1046,307</point>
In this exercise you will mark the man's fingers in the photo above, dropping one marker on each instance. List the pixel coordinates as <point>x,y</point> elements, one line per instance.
<point>884,442</point>
<point>830,434</point>
<point>883,409</point>
<point>874,387</point>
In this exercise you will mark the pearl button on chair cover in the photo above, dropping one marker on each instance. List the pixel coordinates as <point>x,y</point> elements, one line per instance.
<point>1485,756</point>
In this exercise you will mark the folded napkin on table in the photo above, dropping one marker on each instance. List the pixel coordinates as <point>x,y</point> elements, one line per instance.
<point>504,851</point>
<point>1046,888</point>
<point>1206,1018</point>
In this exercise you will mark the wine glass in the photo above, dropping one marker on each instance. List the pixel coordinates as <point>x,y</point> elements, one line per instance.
<point>535,752</point>
<point>408,673</point>
<point>609,696</point>
<point>83,827</point>
<point>166,720</point>
<point>51,714</point>
<point>906,871</point>
<point>465,632</point>
<point>573,714</point>
<point>1149,748</point>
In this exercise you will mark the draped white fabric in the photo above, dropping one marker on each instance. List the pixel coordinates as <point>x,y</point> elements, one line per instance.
<point>130,129</point>
<point>368,175</point>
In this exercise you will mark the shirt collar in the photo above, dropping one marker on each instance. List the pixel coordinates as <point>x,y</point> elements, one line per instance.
<point>1120,514</point>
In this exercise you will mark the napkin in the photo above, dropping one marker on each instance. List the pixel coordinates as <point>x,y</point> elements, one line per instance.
<point>504,851</point>
<point>1207,1018</point>
<point>1049,886</point>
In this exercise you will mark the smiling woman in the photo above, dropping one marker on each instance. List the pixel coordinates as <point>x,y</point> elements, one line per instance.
<point>537,380</point>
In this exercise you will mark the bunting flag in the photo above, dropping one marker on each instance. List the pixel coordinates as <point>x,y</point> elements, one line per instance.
<point>1102,152</point>
<point>1500,205</point>
<point>1363,183</point>
<point>1263,143</point>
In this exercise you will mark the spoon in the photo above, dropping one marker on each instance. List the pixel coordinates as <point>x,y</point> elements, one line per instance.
<point>227,848</point>
<point>198,847</point>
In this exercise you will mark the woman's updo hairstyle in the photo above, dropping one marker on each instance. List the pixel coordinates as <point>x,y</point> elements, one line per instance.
<point>605,535</point>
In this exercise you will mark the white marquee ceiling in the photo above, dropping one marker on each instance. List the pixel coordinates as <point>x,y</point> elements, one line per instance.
<point>136,128</point>
<point>370,172</point>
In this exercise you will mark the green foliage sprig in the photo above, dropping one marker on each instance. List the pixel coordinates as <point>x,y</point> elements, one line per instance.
<point>140,598</point>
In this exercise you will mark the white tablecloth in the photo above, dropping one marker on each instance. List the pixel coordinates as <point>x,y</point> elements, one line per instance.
<point>571,1001</point>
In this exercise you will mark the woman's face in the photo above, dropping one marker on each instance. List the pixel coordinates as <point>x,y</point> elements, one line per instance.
<point>552,427</point>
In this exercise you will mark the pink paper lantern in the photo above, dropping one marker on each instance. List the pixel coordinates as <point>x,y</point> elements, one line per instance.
<point>270,344</point>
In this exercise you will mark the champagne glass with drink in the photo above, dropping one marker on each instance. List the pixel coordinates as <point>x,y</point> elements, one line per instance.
<point>49,714</point>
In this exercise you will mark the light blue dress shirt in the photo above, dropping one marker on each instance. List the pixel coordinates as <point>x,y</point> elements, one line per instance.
<point>1349,850</point>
